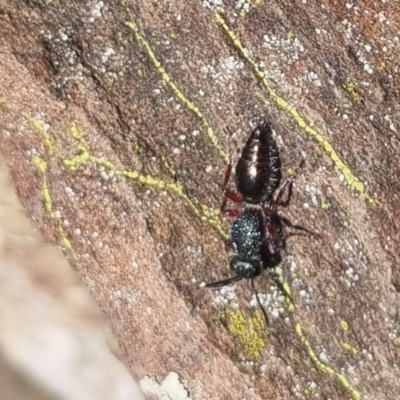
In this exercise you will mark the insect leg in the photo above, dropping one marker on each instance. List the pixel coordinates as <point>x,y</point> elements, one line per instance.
<point>259,302</point>
<point>232,212</point>
<point>285,203</point>
<point>289,224</point>
<point>277,198</point>
<point>231,195</point>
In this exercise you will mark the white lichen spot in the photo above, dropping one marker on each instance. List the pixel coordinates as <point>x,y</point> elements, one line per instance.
<point>292,265</point>
<point>104,175</point>
<point>96,11</point>
<point>243,6</point>
<point>225,69</point>
<point>262,297</point>
<point>275,313</point>
<point>367,354</point>
<point>296,390</point>
<point>226,295</point>
<point>63,36</point>
<point>382,17</point>
<point>107,53</point>
<point>311,190</point>
<point>213,4</point>
<point>323,356</point>
<point>289,48</point>
<point>368,68</point>
<point>122,295</point>
<point>314,79</point>
<point>171,388</point>
<point>263,368</point>
<point>303,293</point>
<point>312,385</point>
<point>69,191</point>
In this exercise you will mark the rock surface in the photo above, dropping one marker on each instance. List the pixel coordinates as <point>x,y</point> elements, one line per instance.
<point>113,118</point>
<point>54,341</point>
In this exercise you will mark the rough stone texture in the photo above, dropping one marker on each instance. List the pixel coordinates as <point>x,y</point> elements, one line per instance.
<point>54,341</point>
<point>112,124</point>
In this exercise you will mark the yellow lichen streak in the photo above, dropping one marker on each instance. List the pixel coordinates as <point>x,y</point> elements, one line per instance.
<point>41,127</point>
<point>351,89</point>
<point>341,378</point>
<point>344,325</point>
<point>84,155</point>
<point>178,93</point>
<point>339,164</point>
<point>352,349</point>
<point>41,166</point>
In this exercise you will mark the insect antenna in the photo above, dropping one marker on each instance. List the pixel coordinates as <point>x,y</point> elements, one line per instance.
<point>225,282</point>
<point>259,302</point>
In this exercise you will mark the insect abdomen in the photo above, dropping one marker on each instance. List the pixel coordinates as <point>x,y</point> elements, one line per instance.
<point>258,171</point>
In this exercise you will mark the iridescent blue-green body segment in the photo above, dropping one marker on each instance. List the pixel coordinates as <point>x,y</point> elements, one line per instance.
<point>256,241</point>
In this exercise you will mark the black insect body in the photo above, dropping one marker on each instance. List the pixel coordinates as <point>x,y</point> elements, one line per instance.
<point>258,171</point>
<point>257,238</point>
